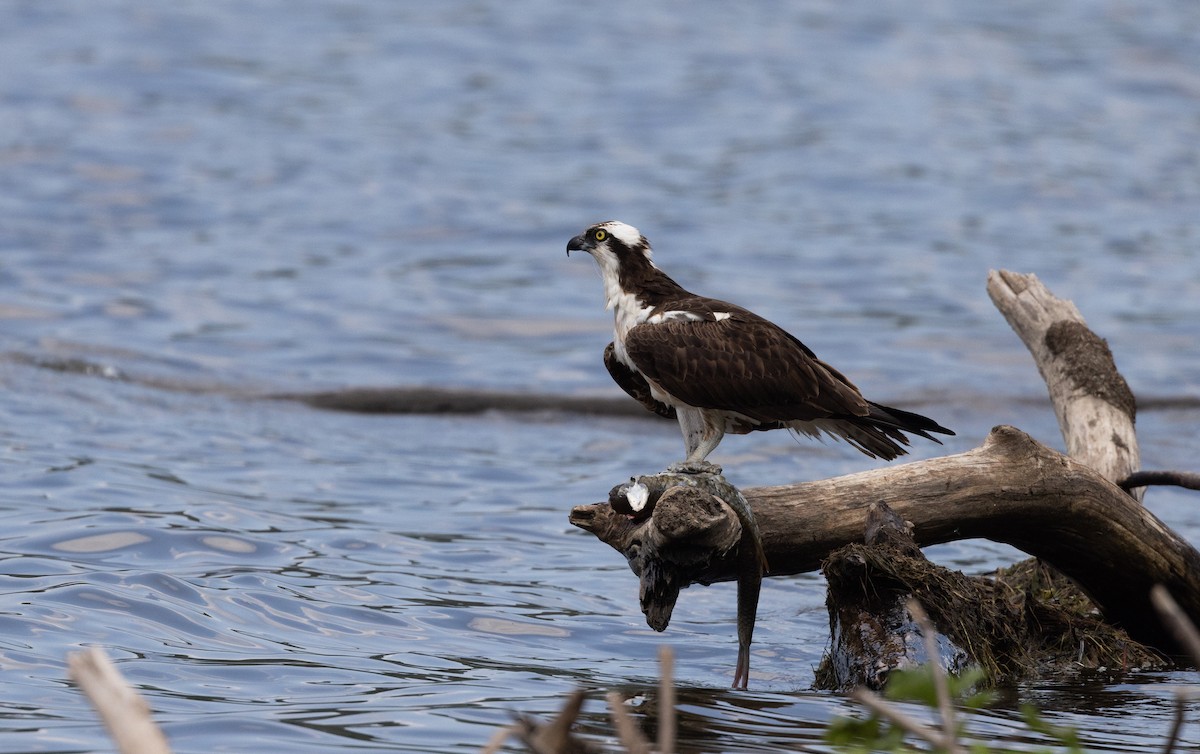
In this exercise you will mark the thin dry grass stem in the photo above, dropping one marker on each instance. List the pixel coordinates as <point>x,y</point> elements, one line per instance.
<point>1178,623</point>
<point>526,731</point>
<point>125,713</point>
<point>556,736</point>
<point>498,738</point>
<point>940,684</point>
<point>627,732</point>
<point>879,706</point>
<point>1183,695</point>
<point>666,700</point>
<point>1185,633</point>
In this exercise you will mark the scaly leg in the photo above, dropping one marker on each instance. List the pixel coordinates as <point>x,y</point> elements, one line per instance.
<point>700,438</point>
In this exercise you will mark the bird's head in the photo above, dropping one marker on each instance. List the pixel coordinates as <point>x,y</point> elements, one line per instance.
<point>612,244</point>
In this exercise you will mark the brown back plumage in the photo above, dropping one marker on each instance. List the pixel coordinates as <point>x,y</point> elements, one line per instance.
<point>741,363</point>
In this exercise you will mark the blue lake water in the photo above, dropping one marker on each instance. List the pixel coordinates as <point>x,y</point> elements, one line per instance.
<point>221,200</point>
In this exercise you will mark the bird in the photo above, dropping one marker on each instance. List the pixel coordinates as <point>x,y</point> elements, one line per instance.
<point>718,368</point>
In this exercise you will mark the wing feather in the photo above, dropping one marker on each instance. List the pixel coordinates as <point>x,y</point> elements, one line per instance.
<point>634,384</point>
<point>740,362</point>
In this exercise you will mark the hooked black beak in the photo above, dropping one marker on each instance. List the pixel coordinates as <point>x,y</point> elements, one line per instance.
<point>578,243</point>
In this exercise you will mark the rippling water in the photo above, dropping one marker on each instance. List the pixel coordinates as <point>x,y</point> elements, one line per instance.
<point>229,200</point>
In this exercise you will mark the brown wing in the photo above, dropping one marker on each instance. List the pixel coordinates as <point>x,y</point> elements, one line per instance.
<point>634,384</point>
<point>741,363</point>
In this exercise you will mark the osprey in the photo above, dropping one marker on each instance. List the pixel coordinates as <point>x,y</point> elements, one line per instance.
<point>719,368</point>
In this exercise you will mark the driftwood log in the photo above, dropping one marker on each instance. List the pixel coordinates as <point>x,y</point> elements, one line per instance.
<point>1012,489</point>
<point>1065,510</point>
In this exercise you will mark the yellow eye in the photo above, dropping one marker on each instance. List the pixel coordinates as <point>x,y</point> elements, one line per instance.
<point>600,235</point>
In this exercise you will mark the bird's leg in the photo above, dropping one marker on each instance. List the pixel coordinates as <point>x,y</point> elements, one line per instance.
<point>700,437</point>
<point>695,467</point>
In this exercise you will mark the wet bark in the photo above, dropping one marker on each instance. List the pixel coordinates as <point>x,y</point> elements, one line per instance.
<point>872,587</point>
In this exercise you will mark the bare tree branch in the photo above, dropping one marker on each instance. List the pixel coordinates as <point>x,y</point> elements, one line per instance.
<point>124,712</point>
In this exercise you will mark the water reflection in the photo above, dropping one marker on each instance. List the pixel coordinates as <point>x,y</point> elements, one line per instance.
<point>230,201</point>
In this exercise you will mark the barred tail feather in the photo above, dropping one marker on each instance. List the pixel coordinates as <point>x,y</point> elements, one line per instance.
<point>879,434</point>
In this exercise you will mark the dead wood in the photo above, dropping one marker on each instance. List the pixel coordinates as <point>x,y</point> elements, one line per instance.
<point>451,401</point>
<point>1011,489</point>
<point>554,737</point>
<point>124,712</point>
<point>1186,479</point>
<point>872,630</point>
<point>1026,621</point>
<point>1065,510</point>
<point>1093,403</point>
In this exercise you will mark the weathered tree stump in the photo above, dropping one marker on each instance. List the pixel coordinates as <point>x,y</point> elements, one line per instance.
<point>1024,622</point>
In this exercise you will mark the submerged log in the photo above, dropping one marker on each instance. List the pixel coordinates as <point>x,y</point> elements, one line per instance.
<point>451,401</point>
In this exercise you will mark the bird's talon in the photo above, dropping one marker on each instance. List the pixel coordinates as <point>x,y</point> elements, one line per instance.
<point>695,467</point>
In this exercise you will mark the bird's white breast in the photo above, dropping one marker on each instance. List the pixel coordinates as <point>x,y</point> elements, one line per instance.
<point>628,313</point>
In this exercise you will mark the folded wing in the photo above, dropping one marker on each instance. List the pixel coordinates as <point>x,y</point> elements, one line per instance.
<point>741,363</point>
